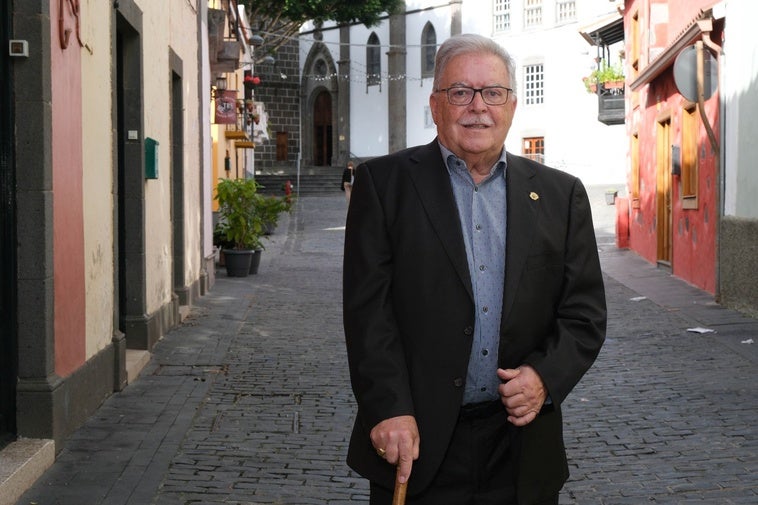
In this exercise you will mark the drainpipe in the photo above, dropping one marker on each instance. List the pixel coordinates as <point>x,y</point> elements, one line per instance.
<point>706,40</point>
<point>701,96</point>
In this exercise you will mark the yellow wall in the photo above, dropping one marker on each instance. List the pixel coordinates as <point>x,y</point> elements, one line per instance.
<point>98,149</point>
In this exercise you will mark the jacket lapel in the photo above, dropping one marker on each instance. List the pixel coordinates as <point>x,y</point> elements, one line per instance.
<point>432,182</point>
<point>523,209</point>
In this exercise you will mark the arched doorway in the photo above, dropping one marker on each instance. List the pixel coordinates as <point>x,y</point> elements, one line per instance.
<point>322,129</point>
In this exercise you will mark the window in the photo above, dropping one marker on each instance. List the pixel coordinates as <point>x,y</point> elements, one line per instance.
<point>635,178</point>
<point>635,45</point>
<point>373,61</point>
<point>320,68</point>
<point>534,148</point>
<point>565,11</point>
<point>689,173</point>
<point>428,50</point>
<point>533,84</point>
<point>532,13</point>
<point>502,15</point>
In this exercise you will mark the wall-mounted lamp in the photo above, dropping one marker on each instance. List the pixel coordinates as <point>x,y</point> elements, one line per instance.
<point>268,60</point>
<point>255,40</point>
<point>220,86</point>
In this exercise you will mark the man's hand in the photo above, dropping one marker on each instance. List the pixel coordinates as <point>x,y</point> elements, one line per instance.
<point>523,393</point>
<point>397,440</point>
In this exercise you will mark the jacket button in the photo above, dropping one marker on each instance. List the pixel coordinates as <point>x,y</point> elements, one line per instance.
<point>468,331</point>
<point>458,382</point>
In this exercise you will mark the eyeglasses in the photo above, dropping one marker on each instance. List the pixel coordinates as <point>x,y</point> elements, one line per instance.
<point>463,95</point>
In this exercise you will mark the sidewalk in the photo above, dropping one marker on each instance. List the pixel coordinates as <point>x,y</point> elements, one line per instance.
<point>249,403</point>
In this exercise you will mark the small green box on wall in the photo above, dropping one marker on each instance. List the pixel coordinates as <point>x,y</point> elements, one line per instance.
<point>151,158</point>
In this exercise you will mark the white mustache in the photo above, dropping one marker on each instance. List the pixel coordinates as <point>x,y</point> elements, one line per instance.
<point>477,122</point>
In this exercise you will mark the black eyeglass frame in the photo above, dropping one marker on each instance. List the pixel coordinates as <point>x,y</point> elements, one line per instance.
<point>475,90</point>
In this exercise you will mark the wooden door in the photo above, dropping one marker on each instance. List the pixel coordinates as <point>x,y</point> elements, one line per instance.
<point>322,129</point>
<point>663,192</point>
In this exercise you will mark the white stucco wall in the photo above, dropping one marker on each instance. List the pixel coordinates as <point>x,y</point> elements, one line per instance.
<point>170,24</point>
<point>97,184</point>
<point>739,87</point>
<point>368,104</point>
<point>420,128</point>
<point>156,106</point>
<point>183,40</point>
<point>166,24</point>
<point>204,118</point>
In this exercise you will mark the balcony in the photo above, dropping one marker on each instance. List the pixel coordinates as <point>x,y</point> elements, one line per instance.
<point>610,103</point>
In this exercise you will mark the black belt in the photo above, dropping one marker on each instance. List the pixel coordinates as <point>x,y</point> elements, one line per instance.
<point>481,410</point>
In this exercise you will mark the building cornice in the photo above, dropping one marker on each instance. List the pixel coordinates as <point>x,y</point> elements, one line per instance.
<point>703,24</point>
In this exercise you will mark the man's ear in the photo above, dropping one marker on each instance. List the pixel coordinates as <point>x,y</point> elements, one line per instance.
<point>433,104</point>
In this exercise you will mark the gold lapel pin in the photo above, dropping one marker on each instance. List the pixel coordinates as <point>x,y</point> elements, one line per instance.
<point>534,196</point>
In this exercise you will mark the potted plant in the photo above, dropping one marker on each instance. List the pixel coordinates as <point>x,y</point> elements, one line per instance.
<point>250,81</point>
<point>239,224</point>
<point>270,208</point>
<point>610,77</point>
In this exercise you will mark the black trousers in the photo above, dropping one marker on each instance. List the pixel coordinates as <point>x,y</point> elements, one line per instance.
<point>479,467</point>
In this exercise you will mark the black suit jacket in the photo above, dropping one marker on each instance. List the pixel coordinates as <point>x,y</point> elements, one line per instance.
<point>409,309</point>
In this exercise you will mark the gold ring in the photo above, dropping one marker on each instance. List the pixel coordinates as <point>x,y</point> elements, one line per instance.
<point>381,452</point>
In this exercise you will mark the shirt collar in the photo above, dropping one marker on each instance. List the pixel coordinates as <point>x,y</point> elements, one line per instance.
<point>453,162</point>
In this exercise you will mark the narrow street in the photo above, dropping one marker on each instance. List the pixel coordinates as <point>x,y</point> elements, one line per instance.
<point>249,403</point>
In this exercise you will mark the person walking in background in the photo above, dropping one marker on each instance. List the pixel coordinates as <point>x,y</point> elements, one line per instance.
<point>348,175</point>
<point>473,301</point>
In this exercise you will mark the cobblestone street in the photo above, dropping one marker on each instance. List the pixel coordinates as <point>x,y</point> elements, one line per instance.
<point>249,402</point>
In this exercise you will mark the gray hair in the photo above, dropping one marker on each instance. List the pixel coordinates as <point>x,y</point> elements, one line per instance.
<point>468,43</point>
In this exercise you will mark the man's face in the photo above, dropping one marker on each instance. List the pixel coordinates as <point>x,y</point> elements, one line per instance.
<point>475,129</point>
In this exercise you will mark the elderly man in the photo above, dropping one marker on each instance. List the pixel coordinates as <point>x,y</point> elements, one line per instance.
<point>473,301</point>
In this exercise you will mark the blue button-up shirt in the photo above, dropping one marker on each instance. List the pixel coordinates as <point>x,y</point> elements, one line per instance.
<point>482,211</point>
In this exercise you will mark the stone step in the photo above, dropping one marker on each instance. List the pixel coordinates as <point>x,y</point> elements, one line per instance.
<point>21,463</point>
<point>323,182</point>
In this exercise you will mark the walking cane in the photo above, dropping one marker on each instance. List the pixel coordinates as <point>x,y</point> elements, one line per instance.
<point>398,498</point>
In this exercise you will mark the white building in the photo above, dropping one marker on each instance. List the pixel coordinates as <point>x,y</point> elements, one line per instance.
<point>738,83</point>
<point>365,91</point>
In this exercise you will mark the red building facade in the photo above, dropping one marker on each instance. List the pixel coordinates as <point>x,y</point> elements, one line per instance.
<point>673,207</point>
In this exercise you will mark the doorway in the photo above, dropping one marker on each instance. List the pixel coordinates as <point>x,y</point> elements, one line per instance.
<point>177,184</point>
<point>8,348</point>
<point>663,192</point>
<point>129,214</point>
<point>322,129</point>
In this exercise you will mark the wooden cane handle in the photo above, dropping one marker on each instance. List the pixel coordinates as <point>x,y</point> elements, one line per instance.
<point>398,498</point>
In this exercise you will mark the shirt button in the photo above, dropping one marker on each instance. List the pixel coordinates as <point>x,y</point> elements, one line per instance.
<point>458,382</point>
<point>483,389</point>
<point>476,189</point>
<point>485,352</point>
<point>482,268</point>
<point>485,309</point>
<point>468,330</point>
<point>478,227</point>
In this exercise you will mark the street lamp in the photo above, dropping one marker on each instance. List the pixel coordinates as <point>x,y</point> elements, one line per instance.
<point>220,86</point>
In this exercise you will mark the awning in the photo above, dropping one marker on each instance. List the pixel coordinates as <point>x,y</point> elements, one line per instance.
<point>604,31</point>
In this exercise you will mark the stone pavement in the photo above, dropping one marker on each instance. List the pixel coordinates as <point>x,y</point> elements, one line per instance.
<point>249,403</point>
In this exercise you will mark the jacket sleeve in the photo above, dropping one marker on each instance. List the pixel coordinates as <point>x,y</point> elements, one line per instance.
<point>579,328</point>
<point>376,358</point>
